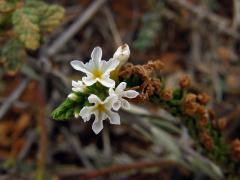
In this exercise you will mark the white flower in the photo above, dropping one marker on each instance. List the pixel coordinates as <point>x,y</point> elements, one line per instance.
<point>122,54</point>
<point>78,86</point>
<point>101,110</point>
<point>120,93</point>
<point>97,69</point>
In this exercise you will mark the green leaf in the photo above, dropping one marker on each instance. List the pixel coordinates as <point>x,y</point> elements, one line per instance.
<point>7,5</point>
<point>26,26</point>
<point>12,55</point>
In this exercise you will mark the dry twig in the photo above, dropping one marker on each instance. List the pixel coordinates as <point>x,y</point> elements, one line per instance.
<point>120,168</point>
<point>13,97</point>
<point>222,24</point>
<point>74,28</point>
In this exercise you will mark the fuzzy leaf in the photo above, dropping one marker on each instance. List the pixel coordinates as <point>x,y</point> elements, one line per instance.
<point>151,25</point>
<point>64,111</point>
<point>51,17</point>
<point>7,5</point>
<point>12,56</point>
<point>25,23</point>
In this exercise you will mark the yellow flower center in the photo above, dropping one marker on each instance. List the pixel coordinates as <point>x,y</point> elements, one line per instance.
<point>100,107</point>
<point>97,74</point>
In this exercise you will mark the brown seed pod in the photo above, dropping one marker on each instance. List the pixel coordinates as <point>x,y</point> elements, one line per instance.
<point>203,98</point>
<point>206,140</point>
<point>190,108</point>
<point>203,122</point>
<point>235,148</point>
<point>185,82</point>
<point>167,94</point>
<point>190,97</point>
<point>222,123</point>
<point>211,114</point>
<point>189,105</point>
<point>201,110</point>
<point>144,72</point>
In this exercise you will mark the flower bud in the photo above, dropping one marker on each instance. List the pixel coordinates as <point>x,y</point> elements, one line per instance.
<point>72,96</point>
<point>122,54</point>
<point>76,115</point>
<point>77,112</point>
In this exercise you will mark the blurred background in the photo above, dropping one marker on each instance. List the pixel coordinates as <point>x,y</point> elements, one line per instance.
<point>195,37</point>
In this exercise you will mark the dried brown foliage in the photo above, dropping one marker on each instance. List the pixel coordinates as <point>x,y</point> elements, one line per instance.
<point>222,123</point>
<point>167,94</point>
<point>235,147</point>
<point>185,81</point>
<point>206,140</point>
<point>145,72</point>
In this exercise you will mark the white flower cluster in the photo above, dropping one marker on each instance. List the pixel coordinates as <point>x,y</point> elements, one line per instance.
<point>98,70</point>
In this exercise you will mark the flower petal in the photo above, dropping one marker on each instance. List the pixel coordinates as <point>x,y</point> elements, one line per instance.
<point>110,100</point>
<point>90,65</point>
<point>116,105</point>
<point>108,66</point>
<point>113,117</point>
<point>97,126</point>
<point>74,83</point>
<point>111,91</point>
<point>102,116</point>
<point>94,99</point>
<point>125,104</point>
<point>96,54</point>
<point>130,94</point>
<point>120,88</point>
<point>106,81</point>
<point>86,113</point>
<point>88,80</point>
<point>80,66</point>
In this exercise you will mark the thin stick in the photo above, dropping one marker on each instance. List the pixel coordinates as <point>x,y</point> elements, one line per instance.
<point>107,151</point>
<point>31,137</point>
<point>74,28</point>
<point>13,97</point>
<point>120,168</point>
<point>77,147</point>
<point>196,44</point>
<point>113,27</point>
<point>43,142</point>
<point>18,104</point>
<point>222,24</point>
<point>236,15</point>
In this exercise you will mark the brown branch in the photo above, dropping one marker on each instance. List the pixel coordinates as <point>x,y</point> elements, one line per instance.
<point>236,13</point>
<point>13,97</point>
<point>113,26</point>
<point>119,168</point>
<point>223,25</point>
<point>42,150</point>
<point>74,28</point>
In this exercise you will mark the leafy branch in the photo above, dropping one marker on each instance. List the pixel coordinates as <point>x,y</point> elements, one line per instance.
<point>25,24</point>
